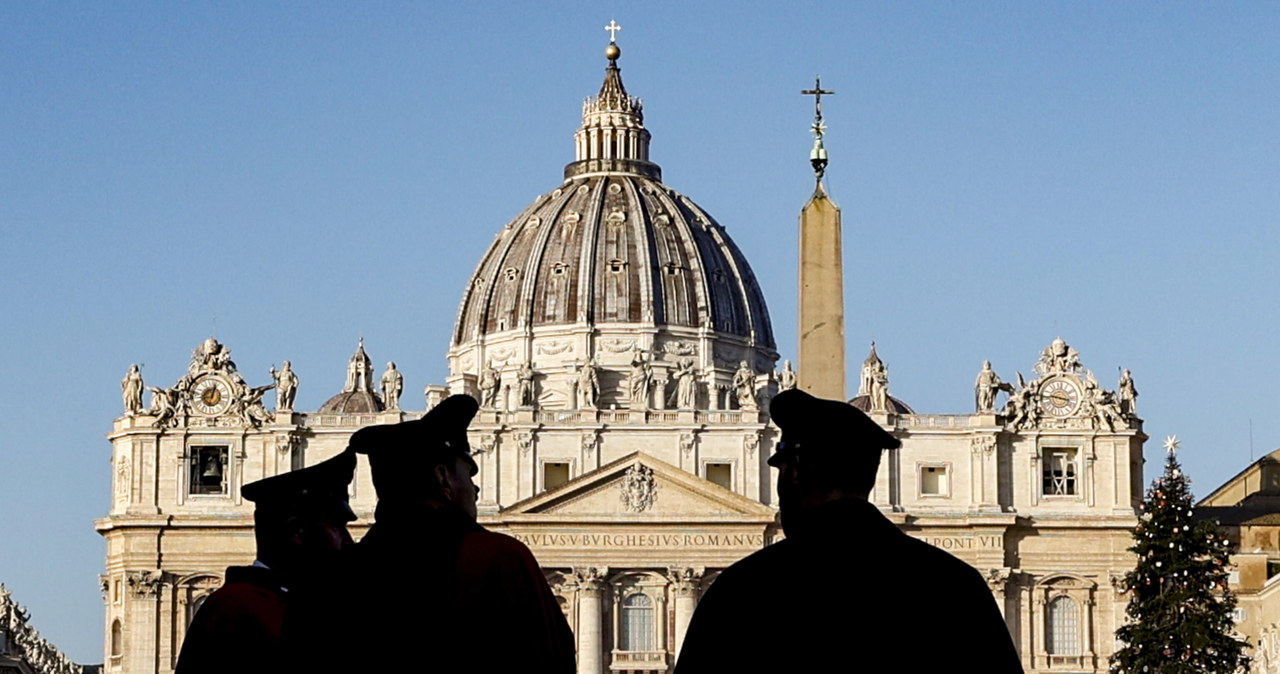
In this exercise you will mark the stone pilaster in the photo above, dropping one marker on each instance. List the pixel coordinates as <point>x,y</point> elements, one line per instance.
<point>590,642</point>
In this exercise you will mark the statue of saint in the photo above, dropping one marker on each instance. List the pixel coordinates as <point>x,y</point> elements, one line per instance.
<point>787,378</point>
<point>686,385</point>
<point>641,378</point>
<point>1128,394</point>
<point>392,386</point>
<point>986,388</point>
<point>131,388</point>
<point>744,386</point>
<point>490,380</point>
<point>251,409</point>
<point>166,403</point>
<point>286,386</point>
<point>880,390</point>
<point>588,386</point>
<point>528,397</point>
<point>1021,407</point>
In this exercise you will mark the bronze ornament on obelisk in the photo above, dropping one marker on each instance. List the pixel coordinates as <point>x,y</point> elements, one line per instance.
<point>821,335</point>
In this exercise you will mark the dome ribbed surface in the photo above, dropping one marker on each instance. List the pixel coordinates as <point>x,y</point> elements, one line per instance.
<point>352,402</point>
<point>614,248</point>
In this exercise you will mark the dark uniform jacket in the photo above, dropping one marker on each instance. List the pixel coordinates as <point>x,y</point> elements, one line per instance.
<point>439,590</point>
<point>849,593</point>
<point>238,627</point>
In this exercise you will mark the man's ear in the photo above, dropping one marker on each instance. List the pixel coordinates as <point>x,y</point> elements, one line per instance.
<point>443,478</point>
<point>296,528</point>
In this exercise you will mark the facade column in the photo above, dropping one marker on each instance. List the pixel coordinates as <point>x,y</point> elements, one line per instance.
<point>590,645</point>
<point>660,623</point>
<point>684,585</point>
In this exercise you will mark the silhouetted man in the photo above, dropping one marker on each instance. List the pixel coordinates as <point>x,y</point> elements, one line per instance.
<point>847,591</point>
<point>434,590</point>
<point>300,525</point>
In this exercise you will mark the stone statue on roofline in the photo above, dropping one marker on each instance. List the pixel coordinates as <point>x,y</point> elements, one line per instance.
<point>787,378</point>
<point>392,386</point>
<point>1128,394</point>
<point>131,388</point>
<point>286,386</point>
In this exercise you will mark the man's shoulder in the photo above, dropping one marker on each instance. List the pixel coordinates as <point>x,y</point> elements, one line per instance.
<point>495,547</point>
<point>938,562</point>
<point>767,560</point>
<point>239,594</point>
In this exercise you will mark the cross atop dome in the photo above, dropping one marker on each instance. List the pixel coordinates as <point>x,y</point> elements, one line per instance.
<point>612,137</point>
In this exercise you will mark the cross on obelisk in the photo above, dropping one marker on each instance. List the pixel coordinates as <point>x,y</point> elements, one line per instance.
<point>818,156</point>
<point>817,91</point>
<point>613,29</point>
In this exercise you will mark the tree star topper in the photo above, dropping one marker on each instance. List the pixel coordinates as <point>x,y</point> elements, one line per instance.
<point>613,29</point>
<point>1171,444</point>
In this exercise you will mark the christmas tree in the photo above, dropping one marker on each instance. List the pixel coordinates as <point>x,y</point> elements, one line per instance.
<point>1179,604</point>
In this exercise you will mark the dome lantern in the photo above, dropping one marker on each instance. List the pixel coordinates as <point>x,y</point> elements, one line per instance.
<point>612,137</point>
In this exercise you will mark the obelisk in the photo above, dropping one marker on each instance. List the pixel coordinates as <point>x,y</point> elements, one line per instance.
<point>821,351</point>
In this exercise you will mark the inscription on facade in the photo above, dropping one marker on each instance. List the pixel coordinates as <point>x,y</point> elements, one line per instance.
<point>979,542</point>
<point>640,540</point>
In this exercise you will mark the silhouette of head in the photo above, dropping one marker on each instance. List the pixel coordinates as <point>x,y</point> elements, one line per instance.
<point>427,459</point>
<point>300,518</point>
<point>829,450</point>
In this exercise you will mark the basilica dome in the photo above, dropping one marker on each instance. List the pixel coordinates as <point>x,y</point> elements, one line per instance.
<point>615,255</point>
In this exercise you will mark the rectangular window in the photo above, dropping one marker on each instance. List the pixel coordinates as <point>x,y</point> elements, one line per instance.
<point>208,469</point>
<point>934,481</point>
<point>554,475</point>
<point>721,474</point>
<point>1059,472</point>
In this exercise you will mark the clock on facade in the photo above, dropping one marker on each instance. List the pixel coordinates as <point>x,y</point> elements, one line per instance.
<point>1059,397</point>
<point>210,395</point>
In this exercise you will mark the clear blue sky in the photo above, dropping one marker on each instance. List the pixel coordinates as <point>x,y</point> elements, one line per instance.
<point>295,175</point>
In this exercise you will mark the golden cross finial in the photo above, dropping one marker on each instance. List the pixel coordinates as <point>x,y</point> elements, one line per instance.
<point>613,29</point>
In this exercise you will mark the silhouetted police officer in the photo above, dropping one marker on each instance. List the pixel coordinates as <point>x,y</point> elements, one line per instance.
<point>846,591</point>
<point>300,526</point>
<point>435,590</point>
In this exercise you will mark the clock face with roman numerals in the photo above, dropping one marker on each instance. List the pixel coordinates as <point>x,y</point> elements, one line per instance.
<point>210,395</point>
<point>1059,397</point>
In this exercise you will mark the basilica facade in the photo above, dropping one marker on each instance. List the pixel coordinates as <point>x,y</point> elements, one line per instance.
<point>624,358</point>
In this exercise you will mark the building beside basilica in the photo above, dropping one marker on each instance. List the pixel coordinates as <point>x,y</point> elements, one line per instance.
<point>624,359</point>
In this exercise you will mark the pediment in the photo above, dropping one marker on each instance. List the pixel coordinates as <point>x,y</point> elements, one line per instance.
<point>638,487</point>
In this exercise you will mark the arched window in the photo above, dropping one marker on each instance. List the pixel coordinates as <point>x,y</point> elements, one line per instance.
<point>195,606</point>
<point>117,639</point>
<point>637,623</point>
<point>1062,631</point>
